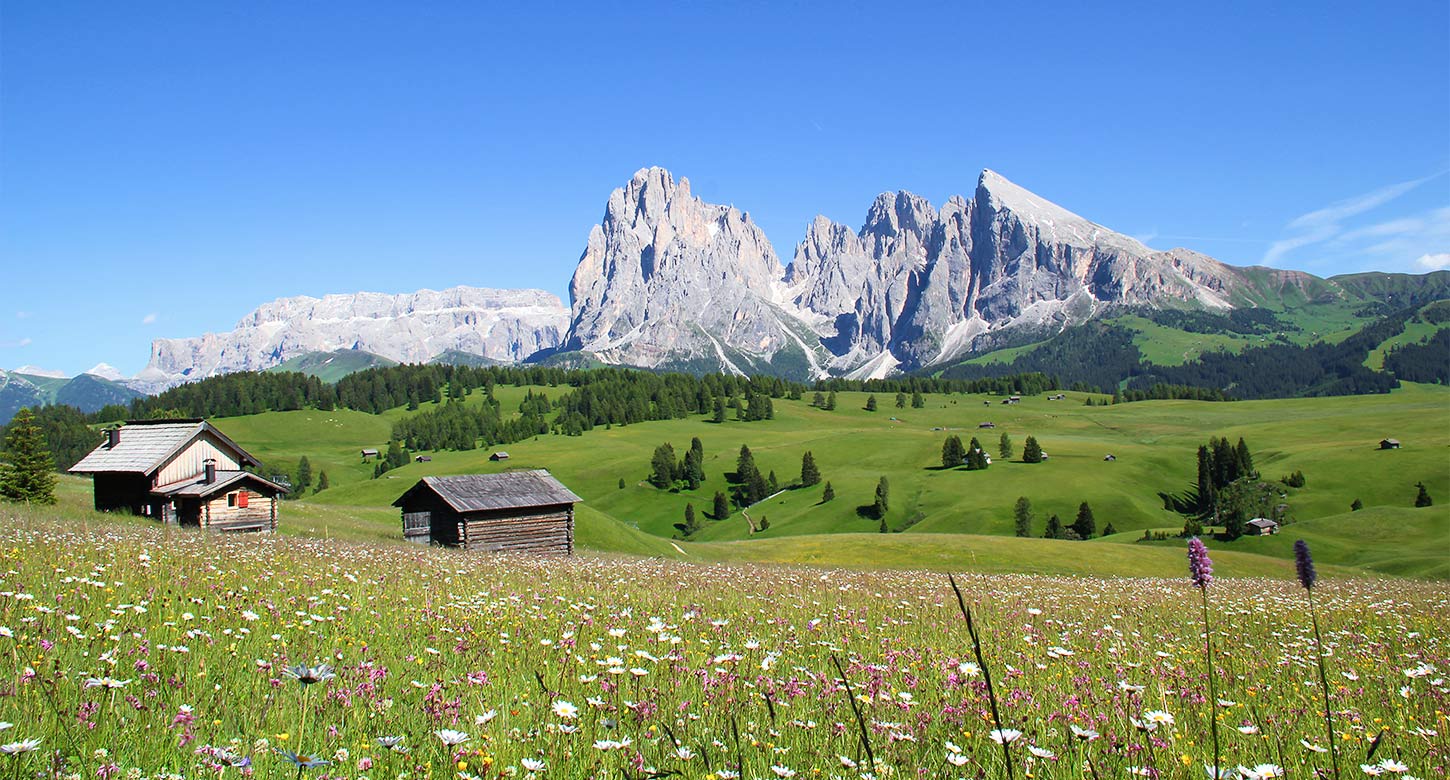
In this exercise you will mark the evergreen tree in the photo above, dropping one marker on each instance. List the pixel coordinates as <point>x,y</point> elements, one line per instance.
<point>1109,530</point>
<point>1356,505</point>
<point>901,400</point>
<point>953,454</point>
<point>976,456</point>
<point>756,488</point>
<point>26,474</point>
<point>322,483</point>
<point>764,523</point>
<point>1191,527</point>
<point>719,410</point>
<point>884,528</point>
<point>691,523</point>
<point>1031,452</point>
<point>1004,446</point>
<point>1206,491</point>
<point>1054,528</point>
<point>744,465</point>
<point>917,402</point>
<point>662,467</point>
<point>721,507</point>
<point>810,475</point>
<point>883,499</point>
<point>1022,515</point>
<point>871,403</point>
<point>831,402</point>
<point>1244,460</point>
<point>621,483</point>
<point>304,475</point>
<point>818,400</point>
<point>1085,524</point>
<point>772,483</point>
<point>697,464</point>
<point>1423,497</point>
<point>396,457</point>
<point>828,494</point>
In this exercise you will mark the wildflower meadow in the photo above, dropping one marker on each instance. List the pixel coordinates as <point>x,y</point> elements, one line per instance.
<point>137,652</point>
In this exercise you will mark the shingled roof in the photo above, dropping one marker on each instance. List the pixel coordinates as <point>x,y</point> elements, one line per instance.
<point>146,445</point>
<point>225,481</point>
<point>509,490</point>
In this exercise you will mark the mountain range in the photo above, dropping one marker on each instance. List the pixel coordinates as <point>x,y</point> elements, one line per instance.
<point>668,281</point>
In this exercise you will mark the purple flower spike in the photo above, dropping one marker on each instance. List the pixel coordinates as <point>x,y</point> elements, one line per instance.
<point>1304,564</point>
<point>1200,568</point>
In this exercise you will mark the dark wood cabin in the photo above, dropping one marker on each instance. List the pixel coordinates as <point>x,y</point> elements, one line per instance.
<point>1389,444</point>
<point>516,511</point>
<point>180,472</point>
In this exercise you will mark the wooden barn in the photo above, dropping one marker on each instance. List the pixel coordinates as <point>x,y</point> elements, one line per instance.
<point>517,511</point>
<point>180,472</point>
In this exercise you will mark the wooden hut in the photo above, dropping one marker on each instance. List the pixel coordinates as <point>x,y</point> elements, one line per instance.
<point>1389,444</point>
<point>181,472</point>
<point>517,511</point>
<point>1261,526</point>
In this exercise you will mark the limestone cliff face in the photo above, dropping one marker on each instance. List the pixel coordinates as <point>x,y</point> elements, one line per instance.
<point>504,325</point>
<point>669,280</point>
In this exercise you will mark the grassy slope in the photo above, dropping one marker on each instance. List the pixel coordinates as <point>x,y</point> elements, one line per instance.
<point>1331,440</point>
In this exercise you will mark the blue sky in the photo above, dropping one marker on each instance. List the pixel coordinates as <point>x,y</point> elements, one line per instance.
<point>164,168</point>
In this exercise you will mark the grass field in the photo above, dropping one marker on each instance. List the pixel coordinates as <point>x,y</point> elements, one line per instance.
<point>1332,440</point>
<point>155,654</point>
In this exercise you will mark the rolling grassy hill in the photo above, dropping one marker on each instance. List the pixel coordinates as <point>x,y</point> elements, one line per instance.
<point>947,518</point>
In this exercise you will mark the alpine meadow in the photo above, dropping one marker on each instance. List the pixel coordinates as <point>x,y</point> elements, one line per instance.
<point>438,427</point>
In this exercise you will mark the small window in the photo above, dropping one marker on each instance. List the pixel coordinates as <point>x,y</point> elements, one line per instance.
<point>231,499</point>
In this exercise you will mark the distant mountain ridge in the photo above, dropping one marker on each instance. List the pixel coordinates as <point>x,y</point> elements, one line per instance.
<point>669,281</point>
<point>87,392</point>
<point>503,325</point>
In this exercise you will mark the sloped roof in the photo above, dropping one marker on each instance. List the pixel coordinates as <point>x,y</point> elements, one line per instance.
<point>509,490</point>
<point>146,445</point>
<point>225,480</point>
<point>1263,522</point>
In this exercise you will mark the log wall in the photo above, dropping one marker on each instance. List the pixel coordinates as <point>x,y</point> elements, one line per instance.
<point>541,530</point>
<point>259,515</point>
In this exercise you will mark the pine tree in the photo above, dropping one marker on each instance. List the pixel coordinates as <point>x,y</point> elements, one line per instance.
<point>322,483</point>
<point>1244,460</point>
<point>1031,452</point>
<point>1022,515</point>
<point>1109,530</point>
<point>691,523</point>
<point>662,467</point>
<point>772,484</point>
<point>1004,446</point>
<point>721,508</point>
<point>744,465</point>
<point>976,458</point>
<point>697,463</point>
<point>953,454</point>
<point>883,499</point>
<point>871,403</point>
<point>1054,528</point>
<point>621,483</point>
<point>810,475</point>
<point>1422,498</point>
<point>304,475</point>
<point>719,410</point>
<point>1356,505</point>
<point>27,472</point>
<point>396,456</point>
<point>901,400</point>
<point>917,402</point>
<point>818,400</point>
<point>831,402</point>
<point>1085,525</point>
<point>1206,492</point>
<point>828,494</point>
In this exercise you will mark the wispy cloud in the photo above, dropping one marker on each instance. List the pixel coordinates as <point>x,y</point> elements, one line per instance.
<point>1435,262</point>
<point>1402,238</point>
<point>148,319</point>
<point>12,343</point>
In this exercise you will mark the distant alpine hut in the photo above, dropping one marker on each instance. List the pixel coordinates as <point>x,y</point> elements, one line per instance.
<point>517,511</point>
<point>424,459</point>
<point>180,472</point>
<point>1261,526</point>
<point>1110,457</point>
<point>986,425</point>
<point>500,455</point>
<point>369,454</point>
<point>1389,444</point>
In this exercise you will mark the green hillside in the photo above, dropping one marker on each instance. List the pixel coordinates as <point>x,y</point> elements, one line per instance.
<point>1332,440</point>
<point>332,366</point>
